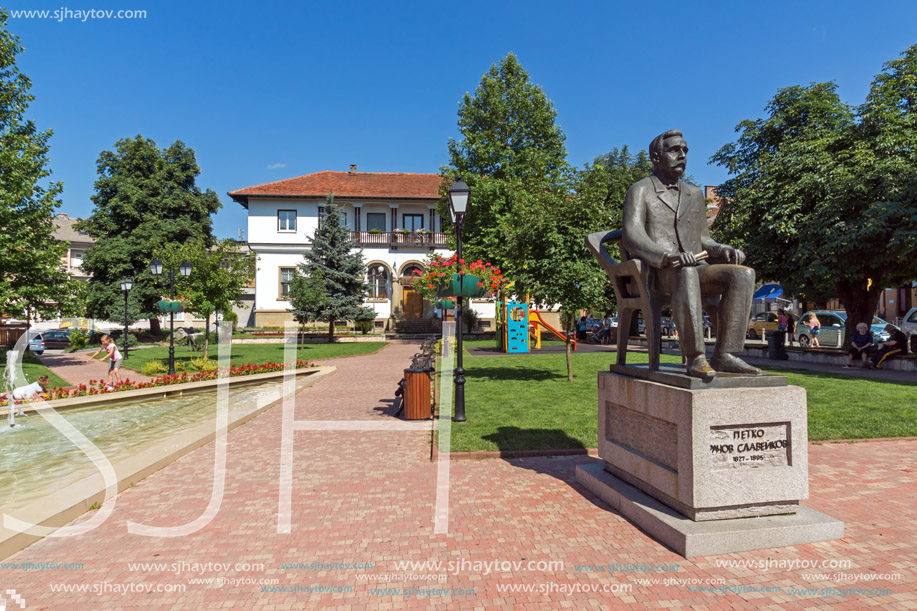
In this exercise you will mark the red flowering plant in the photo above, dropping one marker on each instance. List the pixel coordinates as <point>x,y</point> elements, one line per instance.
<point>98,387</point>
<point>437,275</point>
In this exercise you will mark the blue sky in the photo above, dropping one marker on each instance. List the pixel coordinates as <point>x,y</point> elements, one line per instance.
<point>270,90</point>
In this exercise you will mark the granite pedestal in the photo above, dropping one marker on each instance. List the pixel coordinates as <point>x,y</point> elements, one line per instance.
<point>729,453</point>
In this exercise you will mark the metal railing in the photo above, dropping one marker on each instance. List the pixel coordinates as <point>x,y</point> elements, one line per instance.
<point>394,239</point>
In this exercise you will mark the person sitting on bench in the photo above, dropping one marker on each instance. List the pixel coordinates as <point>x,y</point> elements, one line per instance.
<point>895,345</point>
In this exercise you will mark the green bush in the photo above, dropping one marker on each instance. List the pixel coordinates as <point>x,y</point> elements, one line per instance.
<point>363,326</point>
<point>118,338</point>
<point>78,339</point>
<point>470,318</point>
<point>155,368</point>
<point>203,364</point>
<point>233,318</point>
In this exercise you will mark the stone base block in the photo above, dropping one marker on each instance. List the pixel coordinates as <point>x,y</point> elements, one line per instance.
<point>693,539</point>
<point>710,454</point>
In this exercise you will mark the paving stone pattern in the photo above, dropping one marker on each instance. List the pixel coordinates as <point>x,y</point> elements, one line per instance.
<point>362,496</point>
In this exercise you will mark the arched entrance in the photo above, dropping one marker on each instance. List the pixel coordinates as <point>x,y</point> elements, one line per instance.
<point>411,300</point>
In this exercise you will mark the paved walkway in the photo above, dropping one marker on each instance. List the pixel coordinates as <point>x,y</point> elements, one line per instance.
<point>362,497</point>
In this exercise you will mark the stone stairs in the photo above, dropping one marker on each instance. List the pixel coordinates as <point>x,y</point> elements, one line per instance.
<point>423,326</point>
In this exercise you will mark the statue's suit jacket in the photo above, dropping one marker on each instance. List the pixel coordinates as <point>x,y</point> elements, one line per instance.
<point>658,220</point>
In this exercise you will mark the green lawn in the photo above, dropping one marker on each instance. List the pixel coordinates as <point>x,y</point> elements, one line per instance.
<point>32,369</point>
<point>526,403</point>
<point>249,353</point>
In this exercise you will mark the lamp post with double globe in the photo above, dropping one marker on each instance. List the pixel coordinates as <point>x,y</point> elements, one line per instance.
<point>185,270</point>
<point>459,194</point>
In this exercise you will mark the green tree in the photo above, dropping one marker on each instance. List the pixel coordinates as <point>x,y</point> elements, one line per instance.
<point>218,276</point>
<point>307,298</point>
<point>145,197</point>
<point>30,256</point>
<point>335,258</point>
<point>548,252</point>
<point>823,195</point>
<point>509,141</point>
<point>549,255</point>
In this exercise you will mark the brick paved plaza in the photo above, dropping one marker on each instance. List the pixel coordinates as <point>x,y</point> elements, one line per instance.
<point>368,497</point>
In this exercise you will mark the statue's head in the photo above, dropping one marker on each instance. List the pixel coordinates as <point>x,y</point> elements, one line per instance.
<point>669,153</point>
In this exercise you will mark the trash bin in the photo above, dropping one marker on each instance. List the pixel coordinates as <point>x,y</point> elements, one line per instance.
<point>417,394</point>
<point>775,345</point>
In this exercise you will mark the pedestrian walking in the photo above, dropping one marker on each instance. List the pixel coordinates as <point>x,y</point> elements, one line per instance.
<point>814,329</point>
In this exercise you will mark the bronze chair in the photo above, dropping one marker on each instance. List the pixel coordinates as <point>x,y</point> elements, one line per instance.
<point>629,279</point>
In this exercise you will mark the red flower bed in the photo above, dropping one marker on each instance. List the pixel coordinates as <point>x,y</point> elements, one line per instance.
<point>98,387</point>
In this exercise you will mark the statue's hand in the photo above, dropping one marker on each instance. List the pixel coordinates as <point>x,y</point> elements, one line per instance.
<point>679,259</point>
<point>732,255</point>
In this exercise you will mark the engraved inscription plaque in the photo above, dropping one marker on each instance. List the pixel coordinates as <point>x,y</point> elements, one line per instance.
<point>747,446</point>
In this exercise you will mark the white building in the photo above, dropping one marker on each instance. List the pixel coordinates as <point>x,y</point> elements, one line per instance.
<point>392,217</point>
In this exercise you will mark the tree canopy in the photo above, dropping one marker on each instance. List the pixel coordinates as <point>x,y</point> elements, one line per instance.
<point>509,142</point>
<point>145,197</point>
<point>218,276</point>
<point>824,196</point>
<point>548,252</point>
<point>30,256</point>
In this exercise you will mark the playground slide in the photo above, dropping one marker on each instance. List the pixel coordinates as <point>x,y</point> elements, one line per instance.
<point>557,333</point>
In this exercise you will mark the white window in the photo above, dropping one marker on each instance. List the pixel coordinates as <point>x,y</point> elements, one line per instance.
<point>286,220</point>
<point>378,282</point>
<point>286,277</point>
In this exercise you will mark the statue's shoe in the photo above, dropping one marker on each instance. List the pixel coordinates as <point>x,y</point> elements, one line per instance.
<point>730,363</point>
<point>698,367</point>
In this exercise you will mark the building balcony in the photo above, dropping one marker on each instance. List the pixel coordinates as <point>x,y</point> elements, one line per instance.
<point>396,239</point>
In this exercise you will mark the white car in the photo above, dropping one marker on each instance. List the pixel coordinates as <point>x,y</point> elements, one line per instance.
<point>909,324</point>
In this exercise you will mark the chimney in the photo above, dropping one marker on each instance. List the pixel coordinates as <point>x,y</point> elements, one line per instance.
<point>353,169</point>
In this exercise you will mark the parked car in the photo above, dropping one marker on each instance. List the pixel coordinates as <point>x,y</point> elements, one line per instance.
<point>832,328</point>
<point>57,339</point>
<point>37,343</point>
<point>54,339</point>
<point>766,321</point>
<point>909,326</point>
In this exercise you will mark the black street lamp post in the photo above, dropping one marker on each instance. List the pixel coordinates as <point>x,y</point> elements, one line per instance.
<point>126,286</point>
<point>185,270</point>
<point>459,194</point>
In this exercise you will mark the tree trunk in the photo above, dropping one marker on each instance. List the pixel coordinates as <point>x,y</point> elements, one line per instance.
<point>860,304</point>
<point>331,331</point>
<point>206,335</point>
<point>155,329</point>
<point>569,360</point>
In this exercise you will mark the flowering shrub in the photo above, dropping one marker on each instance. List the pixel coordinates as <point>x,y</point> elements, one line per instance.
<point>437,275</point>
<point>98,387</point>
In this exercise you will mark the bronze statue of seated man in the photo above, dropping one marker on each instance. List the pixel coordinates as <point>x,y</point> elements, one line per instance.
<point>665,226</point>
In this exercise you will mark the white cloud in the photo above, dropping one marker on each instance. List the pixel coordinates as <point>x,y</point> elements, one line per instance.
<point>275,166</point>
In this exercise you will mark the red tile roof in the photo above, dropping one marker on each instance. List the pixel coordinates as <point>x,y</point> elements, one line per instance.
<point>345,184</point>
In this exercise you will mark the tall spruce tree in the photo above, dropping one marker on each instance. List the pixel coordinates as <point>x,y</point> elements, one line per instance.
<point>30,256</point>
<point>334,257</point>
<point>145,197</point>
